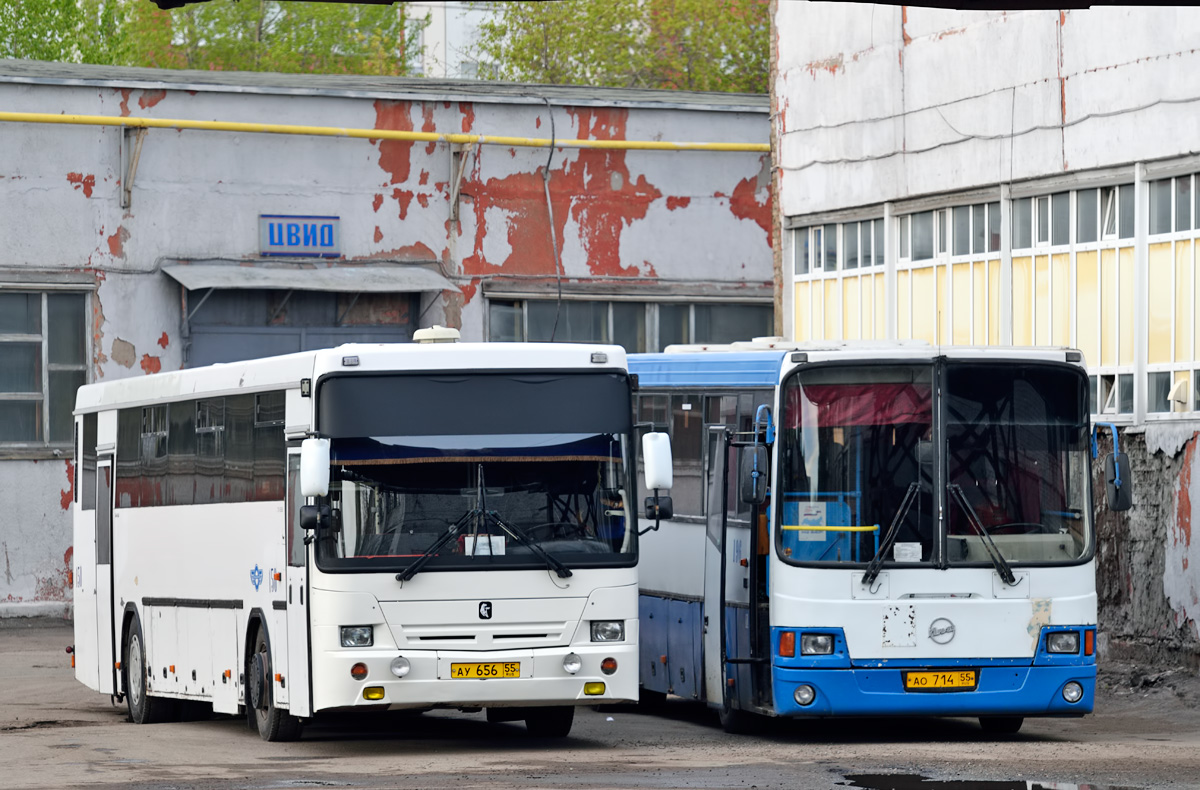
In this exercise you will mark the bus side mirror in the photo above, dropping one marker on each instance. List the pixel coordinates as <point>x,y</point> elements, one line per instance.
<point>1118,482</point>
<point>656,457</point>
<point>314,516</point>
<point>314,467</point>
<point>659,507</point>
<point>752,474</point>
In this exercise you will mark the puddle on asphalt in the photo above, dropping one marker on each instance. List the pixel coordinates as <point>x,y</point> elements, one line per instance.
<point>914,782</point>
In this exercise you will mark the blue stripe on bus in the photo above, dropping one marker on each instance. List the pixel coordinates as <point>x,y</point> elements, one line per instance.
<point>708,369</point>
<point>875,687</point>
<point>1010,691</point>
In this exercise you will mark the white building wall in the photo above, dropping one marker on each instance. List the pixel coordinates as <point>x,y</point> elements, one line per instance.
<point>885,103</point>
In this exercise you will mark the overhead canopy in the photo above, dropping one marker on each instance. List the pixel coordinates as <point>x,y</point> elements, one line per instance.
<point>319,276</point>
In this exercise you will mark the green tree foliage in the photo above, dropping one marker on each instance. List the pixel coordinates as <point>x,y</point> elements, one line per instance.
<point>703,45</point>
<point>241,35</point>
<point>39,29</point>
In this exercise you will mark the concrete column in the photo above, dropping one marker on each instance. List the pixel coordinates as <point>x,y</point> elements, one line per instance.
<point>1006,315</point>
<point>889,270</point>
<point>1141,289</point>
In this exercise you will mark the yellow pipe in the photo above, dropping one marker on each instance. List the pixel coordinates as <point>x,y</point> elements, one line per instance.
<point>374,134</point>
<point>816,528</point>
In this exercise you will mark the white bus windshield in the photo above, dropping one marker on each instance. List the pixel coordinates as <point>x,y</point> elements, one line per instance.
<point>505,494</point>
<point>866,467</point>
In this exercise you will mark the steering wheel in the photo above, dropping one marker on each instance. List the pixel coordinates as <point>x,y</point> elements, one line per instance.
<point>1022,528</point>
<point>556,529</point>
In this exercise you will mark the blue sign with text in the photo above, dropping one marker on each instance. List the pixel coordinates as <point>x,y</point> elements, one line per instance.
<point>282,235</point>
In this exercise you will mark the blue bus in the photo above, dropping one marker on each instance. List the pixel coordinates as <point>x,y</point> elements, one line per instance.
<point>873,529</point>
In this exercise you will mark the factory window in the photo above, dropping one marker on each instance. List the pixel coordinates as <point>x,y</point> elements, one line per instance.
<point>839,281</point>
<point>636,326</point>
<point>43,361</point>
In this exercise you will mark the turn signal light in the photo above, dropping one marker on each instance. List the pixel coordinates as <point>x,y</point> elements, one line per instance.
<point>359,671</point>
<point>1089,642</point>
<point>787,644</point>
<point>608,666</point>
<point>592,689</point>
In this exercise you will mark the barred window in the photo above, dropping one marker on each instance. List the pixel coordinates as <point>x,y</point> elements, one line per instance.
<point>43,361</point>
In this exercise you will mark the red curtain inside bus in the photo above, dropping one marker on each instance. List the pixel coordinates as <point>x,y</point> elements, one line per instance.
<point>861,404</point>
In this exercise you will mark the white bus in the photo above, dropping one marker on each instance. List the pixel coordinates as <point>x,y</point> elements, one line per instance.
<point>874,529</point>
<point>469,545</point>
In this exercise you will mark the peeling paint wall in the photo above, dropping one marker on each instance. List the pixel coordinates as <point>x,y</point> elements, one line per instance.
<point>1148,569</point>
<point>35,545</point>
<point>691,223</point>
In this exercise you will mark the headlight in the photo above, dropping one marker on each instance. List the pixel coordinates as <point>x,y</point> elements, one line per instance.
<point>358,635</point>
<point>1063,642</point>
<point>572,663</point>
<point>816,644</point>
<point>608,630</point>
<point>1072,692</point>
<point>400,666</point>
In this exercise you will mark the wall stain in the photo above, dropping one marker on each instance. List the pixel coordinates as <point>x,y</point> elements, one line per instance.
<point>86,183</point>
<point>151,98</point>
<point>68,496</point>
<point>123,353</point>
<point>744,203</point>
<point>164,340</point>
<point>674,203</point>
<point>116,242</point>
<point>594,190</point>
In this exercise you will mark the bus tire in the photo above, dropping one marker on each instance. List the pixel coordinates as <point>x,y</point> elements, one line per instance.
<point>551,722</point>
<point>143,708</point>
<point>1001,725</point>
<point>274,724</point>
<point>734,721</point>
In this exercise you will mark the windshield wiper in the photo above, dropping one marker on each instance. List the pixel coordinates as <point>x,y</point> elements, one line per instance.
<point>480,516</point>
<point>889,537</point>
<point>432,551</point>
<point>989,545</point>
<point>562,570</point>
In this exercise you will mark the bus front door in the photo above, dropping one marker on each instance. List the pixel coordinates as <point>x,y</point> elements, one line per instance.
<point>106,638</point>
<point>716,485</point>
<point>298,667</point>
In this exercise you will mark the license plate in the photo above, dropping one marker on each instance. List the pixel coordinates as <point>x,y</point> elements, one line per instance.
<point>494,669</point>
<point>955,680</point>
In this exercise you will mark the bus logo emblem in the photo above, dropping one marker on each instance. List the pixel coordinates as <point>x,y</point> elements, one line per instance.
<point>941,631</point>
<point>256,577</point>
<point>485,610</point>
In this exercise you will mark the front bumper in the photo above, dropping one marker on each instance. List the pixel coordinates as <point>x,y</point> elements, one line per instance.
<point>543,680</point>
<point>1002,690</point>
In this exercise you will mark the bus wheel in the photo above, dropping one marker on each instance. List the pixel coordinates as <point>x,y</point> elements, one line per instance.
<point>552,722</point>
<point>734,721</point>
<point>1001,725</point>
<point>273,723</point>
<point>143,709</point>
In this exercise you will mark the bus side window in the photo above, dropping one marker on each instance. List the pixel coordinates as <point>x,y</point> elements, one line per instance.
<point>687,436</point>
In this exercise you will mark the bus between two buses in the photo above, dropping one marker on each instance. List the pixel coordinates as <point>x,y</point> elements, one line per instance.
<point>874,529</point>
<point>412,526</point>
